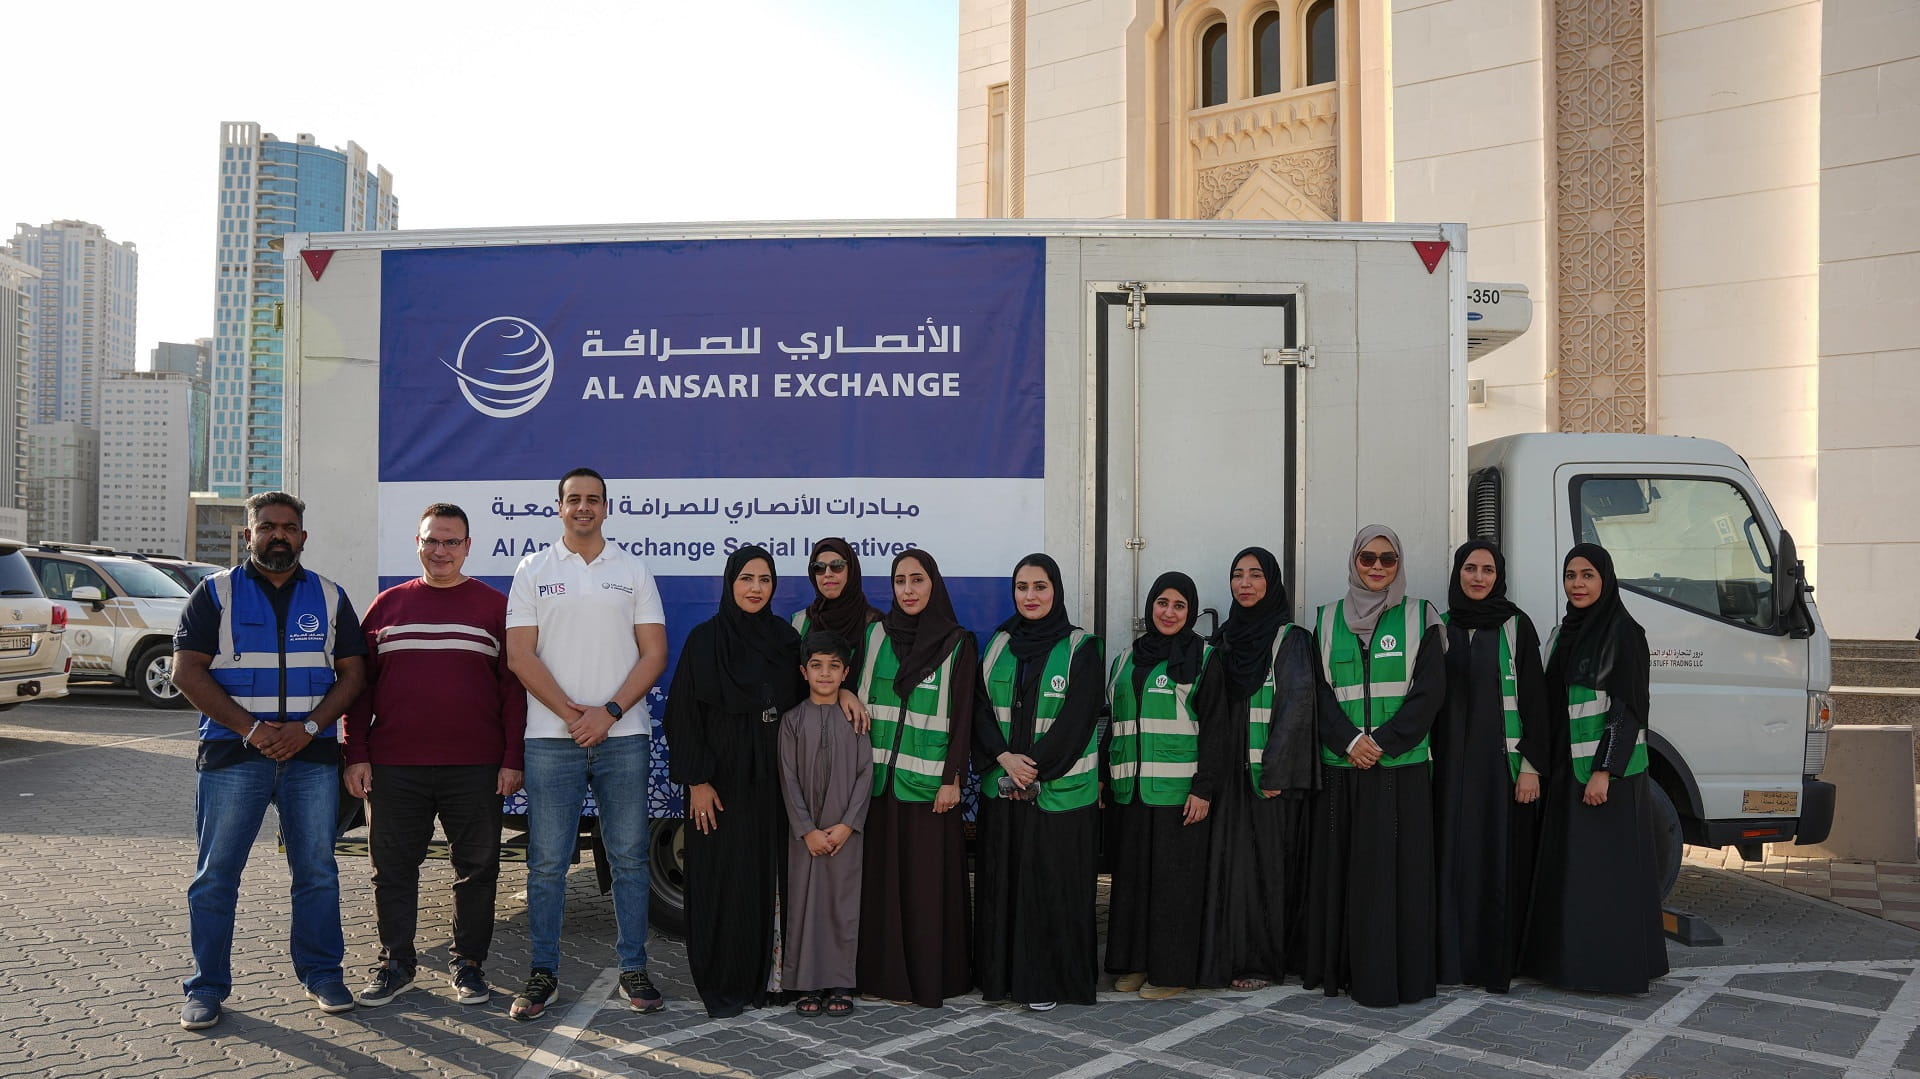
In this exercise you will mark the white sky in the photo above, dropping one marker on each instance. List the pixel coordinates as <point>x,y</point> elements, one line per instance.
<point>486,113</point>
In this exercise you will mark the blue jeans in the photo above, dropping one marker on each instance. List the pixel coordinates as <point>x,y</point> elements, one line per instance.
<point>558,774</point>
<point>229,806</point>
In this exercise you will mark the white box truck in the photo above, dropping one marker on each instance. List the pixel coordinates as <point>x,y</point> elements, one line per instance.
<point>1130,397</point>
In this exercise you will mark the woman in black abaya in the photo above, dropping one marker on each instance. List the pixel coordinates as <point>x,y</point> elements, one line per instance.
<point>738,671</point>
<point>1036,868</point>
<point>1256,874</point>
<point>1595,921</point>
<point>838,604</point>
<point>1489,746</point>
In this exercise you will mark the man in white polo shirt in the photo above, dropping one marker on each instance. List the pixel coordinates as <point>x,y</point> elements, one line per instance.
<point>587,637</point>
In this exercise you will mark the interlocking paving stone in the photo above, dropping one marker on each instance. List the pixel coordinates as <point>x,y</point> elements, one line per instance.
<point>1678,1057</point>
<point>1542,1038</point>
<point>1274,1049</point>
<point>1767,1021</point>
<point>1419,1063</point>
<point>1832,986</point>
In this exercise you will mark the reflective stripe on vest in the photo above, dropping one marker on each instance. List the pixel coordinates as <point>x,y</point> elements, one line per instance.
<point>801,623</point>
<point>1371,692</point>
<point>1587,710</point>
<point>1080,786</point>
<point>1155,748</point>
<point>1260,713</point>
<point>257,665</point>
<point>910,739</point>
<point>1509,693</point>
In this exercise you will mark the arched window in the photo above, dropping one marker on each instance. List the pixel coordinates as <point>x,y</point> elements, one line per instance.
<point>1266,54</point>
<point>1213,65</point>
<point>1322,49</point>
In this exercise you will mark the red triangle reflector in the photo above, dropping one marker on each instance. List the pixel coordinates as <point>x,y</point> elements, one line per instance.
<point>1430,252</point>
<point>317,262</point>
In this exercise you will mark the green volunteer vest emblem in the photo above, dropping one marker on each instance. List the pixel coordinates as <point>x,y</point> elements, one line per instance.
<point>1509,695</point>
<point>1078,788</point>
<point>909,738</point>
<point>1260,712</point>
<point>1155,749</point>
<point>1371,694</point>
<point>1587,721</point>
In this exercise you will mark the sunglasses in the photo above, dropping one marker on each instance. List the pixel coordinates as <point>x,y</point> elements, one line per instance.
<point>836,566</point>
<point>1368,558</point>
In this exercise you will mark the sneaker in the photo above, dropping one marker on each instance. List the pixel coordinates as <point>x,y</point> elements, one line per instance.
<point>641,994</point>
<point>1042,1005</point>
<point>388,979</point>
<point>542,989</point>
<point>199,1013</point>
<point>470,983</point>
<point>332,997</point>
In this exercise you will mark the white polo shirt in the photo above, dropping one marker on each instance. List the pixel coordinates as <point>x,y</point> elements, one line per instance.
<point>585,612</point>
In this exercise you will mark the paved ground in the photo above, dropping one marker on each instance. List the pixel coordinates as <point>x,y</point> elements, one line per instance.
<point>96,849</point>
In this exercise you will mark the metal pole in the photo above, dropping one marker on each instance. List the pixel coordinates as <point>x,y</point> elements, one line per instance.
<point>1136,322</point>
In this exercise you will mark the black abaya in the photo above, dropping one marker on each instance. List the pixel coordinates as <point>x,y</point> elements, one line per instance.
<point>1484,840</point>
<point>1370,906</point>
<point>1036,872</point>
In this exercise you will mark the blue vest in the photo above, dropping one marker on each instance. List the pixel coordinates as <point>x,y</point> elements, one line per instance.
<point>254,659</point>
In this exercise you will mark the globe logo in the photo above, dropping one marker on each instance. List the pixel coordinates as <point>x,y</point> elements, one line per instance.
<point>505,366</point>
<point>309,623</point>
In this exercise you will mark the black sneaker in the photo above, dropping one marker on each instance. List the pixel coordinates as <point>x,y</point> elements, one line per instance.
<point>387,982</point>
<point>470,983</point>
<point>542,989</point>
<point>199,1013</point>
<point>640,991</point>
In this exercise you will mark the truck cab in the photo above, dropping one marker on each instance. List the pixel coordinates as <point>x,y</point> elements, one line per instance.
<point>1740,662</point>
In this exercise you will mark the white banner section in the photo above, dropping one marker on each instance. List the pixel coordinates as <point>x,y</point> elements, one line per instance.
<point>975,527</point>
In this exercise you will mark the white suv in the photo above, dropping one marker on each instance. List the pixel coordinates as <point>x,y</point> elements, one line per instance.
<point>33,658</point>
<point>121,614</point>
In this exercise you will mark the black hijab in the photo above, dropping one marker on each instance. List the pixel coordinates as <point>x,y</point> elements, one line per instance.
<point>848,613</point>
<point>1247,634</point>
<point>1588,637</point>
<point>922,640</point>
<point>1182,650</point>
<point>1030,639</point>
<point>750,660</point>
<point>1488,613</point>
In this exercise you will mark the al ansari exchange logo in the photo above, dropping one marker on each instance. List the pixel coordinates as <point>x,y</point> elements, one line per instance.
<point>308,623</point>
<point>505,367</point>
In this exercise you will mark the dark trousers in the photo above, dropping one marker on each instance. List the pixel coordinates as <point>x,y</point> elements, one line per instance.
<point>402,805</point>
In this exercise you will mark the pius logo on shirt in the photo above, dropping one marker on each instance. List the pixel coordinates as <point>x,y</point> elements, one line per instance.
<point>553,589</point>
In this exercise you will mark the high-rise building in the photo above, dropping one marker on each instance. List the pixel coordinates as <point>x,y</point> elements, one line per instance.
<point>195,361</point>
<point>82,312</point>
<point>63,478</point>
<point>14,322</point>
<point>269,188</point>
<point>146,435</point>
<point>215,528</point>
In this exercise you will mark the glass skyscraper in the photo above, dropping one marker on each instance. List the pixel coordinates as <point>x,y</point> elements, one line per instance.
<point>269,188</point>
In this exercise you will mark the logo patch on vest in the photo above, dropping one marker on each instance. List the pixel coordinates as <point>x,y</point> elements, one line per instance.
<point>308,623</point>
<point>930,681</point>
<point>1389,642</point>
<point>1059,683</point>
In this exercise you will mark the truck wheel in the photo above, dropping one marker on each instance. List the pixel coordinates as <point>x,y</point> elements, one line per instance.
<point>152,678</point>
<point>1663,821</point>
<point>667,878</point>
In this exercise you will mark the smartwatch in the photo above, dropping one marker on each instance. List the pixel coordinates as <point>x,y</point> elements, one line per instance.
<point>312,728</point>
<point>614,709</point>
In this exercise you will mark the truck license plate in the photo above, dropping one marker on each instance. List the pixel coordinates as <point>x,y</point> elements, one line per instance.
<point>14,642</point>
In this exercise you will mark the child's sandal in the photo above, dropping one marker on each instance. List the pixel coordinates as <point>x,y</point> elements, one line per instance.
<point>808,1005</point>
<point>839,1004</point>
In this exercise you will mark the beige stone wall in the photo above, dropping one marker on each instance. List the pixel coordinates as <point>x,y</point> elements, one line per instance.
<point>1076,157</point>
<point>1735,237</point>
<point>984,48</point>
<point>1869,328</point>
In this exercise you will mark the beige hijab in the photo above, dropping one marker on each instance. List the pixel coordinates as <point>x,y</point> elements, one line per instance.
<point>1364,607</point>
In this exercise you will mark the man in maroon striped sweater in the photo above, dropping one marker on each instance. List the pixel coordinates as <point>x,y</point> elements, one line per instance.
<point>440,731</point>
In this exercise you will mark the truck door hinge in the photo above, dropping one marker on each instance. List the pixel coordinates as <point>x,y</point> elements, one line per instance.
<point>1287,357</point>
<point>1136,304</point>
<point>1135,543</point>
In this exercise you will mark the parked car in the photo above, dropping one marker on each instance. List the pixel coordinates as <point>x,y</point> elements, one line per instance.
<point>33,655</point>
<point>184,571</point>
<point>121,613</point>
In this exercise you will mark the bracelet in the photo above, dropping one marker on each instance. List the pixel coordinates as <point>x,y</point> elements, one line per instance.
<point>248,740</point>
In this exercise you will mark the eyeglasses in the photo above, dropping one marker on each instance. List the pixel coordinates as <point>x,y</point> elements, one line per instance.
<point>836,566</point>
<point>439,545</point>
<point>1387,559</point>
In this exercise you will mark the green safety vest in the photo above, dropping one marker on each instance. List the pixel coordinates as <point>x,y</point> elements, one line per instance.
<point>910,739</point>
<point>1509,695</point>
<point>1079,787</point>
<point>1156,741</point>
<point>801,623</point>
<point>1260,713</point>
<point>1587,722</point>
<point>1371,694</point>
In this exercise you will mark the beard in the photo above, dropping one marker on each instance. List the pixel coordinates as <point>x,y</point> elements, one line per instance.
<point>277,558</point>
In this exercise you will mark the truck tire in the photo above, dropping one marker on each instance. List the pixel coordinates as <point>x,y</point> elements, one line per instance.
<point>1663,824</point>
<point>667,878</point>
<point>152,677</point>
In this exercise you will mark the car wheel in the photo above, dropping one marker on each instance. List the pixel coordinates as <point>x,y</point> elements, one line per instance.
<point>153,678</point>
<point>667,878</point>
<point>1664,822</point>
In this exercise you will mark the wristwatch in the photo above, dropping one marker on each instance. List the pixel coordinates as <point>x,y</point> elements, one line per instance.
<point>312,728</point>
<point>614,709</point>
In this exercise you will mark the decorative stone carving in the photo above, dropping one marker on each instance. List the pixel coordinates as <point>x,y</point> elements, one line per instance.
<point>1275,157</point>
<point>1600,213</point>
<point>1293,187</point>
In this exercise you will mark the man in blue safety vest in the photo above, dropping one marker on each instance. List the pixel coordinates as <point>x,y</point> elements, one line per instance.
<point>272,655</point>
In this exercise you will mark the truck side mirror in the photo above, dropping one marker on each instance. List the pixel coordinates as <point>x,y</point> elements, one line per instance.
<point>1789,580</point>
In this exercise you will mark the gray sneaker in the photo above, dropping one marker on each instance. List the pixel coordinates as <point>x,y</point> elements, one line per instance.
<point>470,983</point>
<point>199,1013</point>
<point>389,979</point>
